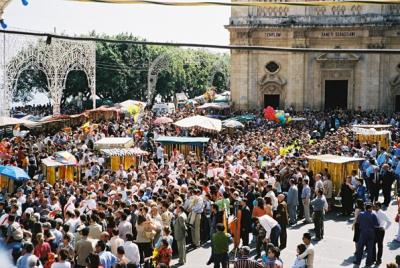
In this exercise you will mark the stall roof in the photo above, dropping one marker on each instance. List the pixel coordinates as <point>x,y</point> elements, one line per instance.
<point>373,126</point>
<point>120,142</point>
<point>124,152</point>
<point>336,159</point>
<point>51,162</point>
<point>173,139</point>
<point>215,105</point>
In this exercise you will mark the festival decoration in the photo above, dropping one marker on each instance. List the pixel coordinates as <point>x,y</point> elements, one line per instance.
<point>278,116</point>
<point>3,5</point>
<point>134,111</point>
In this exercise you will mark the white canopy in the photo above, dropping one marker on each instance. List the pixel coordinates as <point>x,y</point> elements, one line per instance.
<point>109,143</point>
<point>10,121</point>
<point>336,159</point>
<point>202,122</point>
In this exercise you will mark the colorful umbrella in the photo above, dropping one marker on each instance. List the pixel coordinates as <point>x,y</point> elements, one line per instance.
<point>163,120</point>
<point>65,158</point>
<point>15,173</point>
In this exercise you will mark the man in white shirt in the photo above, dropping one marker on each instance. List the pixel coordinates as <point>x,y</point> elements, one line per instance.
<point>124,227</point>
<point>131,250</point>
<point>384,223</point>
<point>318,183</point>
<point>121,172</point>
<point>272,229</point>
<point>116,242</point>
<point>271,194</point>
<point>308,255</point>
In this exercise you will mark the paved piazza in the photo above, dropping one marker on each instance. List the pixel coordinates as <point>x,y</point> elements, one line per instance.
<point>335,250</point>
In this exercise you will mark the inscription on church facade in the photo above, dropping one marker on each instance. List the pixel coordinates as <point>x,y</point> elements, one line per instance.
<point>273,34</point>
<point>338,34</point>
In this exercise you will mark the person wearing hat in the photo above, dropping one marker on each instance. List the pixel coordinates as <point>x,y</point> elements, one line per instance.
<point>367,222</point>
<point>244,262</point>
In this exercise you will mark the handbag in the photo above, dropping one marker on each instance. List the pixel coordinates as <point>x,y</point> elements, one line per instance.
<point>397,219</point>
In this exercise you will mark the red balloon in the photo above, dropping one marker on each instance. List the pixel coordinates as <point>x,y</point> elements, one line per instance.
<point>269,113</point>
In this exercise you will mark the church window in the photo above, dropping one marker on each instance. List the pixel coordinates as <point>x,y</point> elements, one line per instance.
<point>272,67</point>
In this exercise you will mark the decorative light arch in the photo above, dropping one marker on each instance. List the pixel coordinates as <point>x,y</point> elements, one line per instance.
<point>55,58</point>
<point>161,63</point>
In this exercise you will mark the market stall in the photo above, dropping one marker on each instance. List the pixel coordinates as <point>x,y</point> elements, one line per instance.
<point>338,166</point>
<point>373,136</point>
<point>127,157</point>
<point>103,114</point>
<point>184,145</point>
<point>62,165</point>
<point>112,143</point>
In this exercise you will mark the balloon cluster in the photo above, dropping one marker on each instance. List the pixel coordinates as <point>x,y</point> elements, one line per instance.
<point>277,115</point>
<point>7,2</point>
<point>134,111</point>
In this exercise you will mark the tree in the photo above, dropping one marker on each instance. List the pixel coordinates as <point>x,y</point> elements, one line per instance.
<point>29,82</point>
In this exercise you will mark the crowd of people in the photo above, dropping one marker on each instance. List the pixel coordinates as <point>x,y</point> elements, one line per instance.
<point>146,214</point>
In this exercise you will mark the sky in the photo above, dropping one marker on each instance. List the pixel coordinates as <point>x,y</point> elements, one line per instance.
<point>154,23</point>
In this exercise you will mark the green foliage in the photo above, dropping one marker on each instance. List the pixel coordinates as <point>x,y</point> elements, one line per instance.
<point>30,81</point>
<point>122,70</point>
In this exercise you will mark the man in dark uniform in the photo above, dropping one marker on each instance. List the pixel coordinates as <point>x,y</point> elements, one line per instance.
<point>367,222</point>
<point>245,222</point>
<point>281,216</point>
<point>387,177</point>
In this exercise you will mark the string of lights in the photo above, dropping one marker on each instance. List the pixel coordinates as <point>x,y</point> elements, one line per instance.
<point>197,45</point>
<point>244,4</point>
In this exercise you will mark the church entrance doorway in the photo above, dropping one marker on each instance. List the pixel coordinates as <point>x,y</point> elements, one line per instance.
<point>397,104</point>
<point>271,100</point>
<point>336,94</point>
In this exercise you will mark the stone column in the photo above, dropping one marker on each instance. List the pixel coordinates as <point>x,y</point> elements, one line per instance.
<point>295,84</point>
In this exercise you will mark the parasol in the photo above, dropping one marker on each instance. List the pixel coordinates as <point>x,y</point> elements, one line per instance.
<point>65,158</point>
<point>15,173</point>
<point>232,124</point>
<point>201,122</point>
<point>163,120</point>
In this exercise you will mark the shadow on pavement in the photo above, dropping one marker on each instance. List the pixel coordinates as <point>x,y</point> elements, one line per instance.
<point>348,261</point>
<point>393,245</point>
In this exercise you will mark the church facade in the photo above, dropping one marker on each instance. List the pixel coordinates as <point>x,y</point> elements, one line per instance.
<point>316,80</point>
